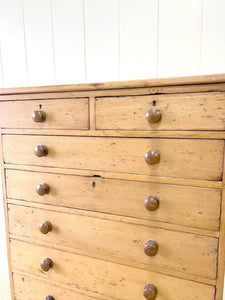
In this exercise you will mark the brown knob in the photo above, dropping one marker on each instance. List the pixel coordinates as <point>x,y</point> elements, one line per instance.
<point>150,292</point>
<point>38,116</point>
<point>49,298</point>
<point>45,227</point>
<point>151,248</point>
<point>41,151</point>
<point>43,189</point>
<point>151,203</point>
<point>154,115</point>
<point>46,264</point>
<point>152,157</point>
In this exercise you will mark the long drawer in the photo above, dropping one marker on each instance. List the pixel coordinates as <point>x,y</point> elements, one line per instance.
<point>90,274</point>
<point>190,206</point>
<point>187,253</point>
<point>30,288</point>
<point>203,111</point>
<point>59,114</point>
<point>185,158</point>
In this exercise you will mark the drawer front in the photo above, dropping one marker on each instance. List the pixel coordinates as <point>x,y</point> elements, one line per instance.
<point>30,288</point>
<point>185,158</point>
<point>201,111</point>
<point>187,253</point>
<point>60,114</point>
<point>190,206</point>
<point>90,274</point>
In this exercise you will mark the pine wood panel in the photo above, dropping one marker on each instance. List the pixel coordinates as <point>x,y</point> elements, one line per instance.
<point>188,206</point>
<point>196,159</point>
<point>123,283</point>
<point>30,288</point>
<point>187,253</point>
<point>61,113</point>
<point>203,111</point>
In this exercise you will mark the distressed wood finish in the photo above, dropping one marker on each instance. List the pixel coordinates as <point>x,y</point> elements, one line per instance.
<point>102,203</point>
<point>123,282</point>
<point>196,159</point>
<point>177,251</point>
<point>60,114</point>
<point>203,111</point>
<point>190,206</point>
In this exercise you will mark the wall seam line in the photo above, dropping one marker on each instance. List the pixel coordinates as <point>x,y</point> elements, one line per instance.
<point>25,43</point>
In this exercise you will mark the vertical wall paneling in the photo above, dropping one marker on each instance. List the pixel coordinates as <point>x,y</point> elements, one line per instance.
<point>180,25</point>
<point>1,74</point>
<point>138,35</point>
<point>102,40</point>
<point>213,39</point>
<point>39,42</point>
<point>13,52</point>
<point>68,33</point>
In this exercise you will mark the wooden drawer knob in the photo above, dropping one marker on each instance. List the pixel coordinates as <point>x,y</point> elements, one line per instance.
<point>152,157</point>
<point>150,292</point>
<point>39,116</point>
<point>154,115</point>
<point>46,264</point>
<point>49,298</point>
<point>43,189</point>
<point>151,248</point>
<point>41,151</point>
<point>151,203</point>
<point>45,227</point>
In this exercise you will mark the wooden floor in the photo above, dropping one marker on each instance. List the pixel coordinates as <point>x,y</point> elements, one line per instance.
<point>4,290</point>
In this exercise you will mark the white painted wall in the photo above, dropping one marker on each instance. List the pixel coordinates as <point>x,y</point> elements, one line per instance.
<point>45,42</point>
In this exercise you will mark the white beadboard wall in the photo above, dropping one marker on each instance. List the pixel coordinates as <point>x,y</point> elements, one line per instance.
<point>45,42</point>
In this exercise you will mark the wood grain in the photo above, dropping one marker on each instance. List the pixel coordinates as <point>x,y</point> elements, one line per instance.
<point>195,159</point>
<point>159,82</point>
<point>63,113</point>
<point>187,206</point>
<point>203,111</point>
<point>186,253</point>
<point>80,271</point>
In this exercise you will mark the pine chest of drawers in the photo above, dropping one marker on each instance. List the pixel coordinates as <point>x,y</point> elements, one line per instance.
<point>115,191</point>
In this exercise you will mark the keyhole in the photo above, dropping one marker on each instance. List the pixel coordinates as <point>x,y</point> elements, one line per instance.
<point>154,103</point>
<point>40,106</point>
<point>93,184</point>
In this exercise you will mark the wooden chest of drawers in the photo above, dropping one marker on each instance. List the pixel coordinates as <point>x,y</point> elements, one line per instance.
<point>115,191</point>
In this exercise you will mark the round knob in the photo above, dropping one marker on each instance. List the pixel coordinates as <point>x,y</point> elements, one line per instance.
<point>45,227</point>
<point>151,203</point>
<point>151,248</point>
<point>152,157</point>
<point>41,151</point>
<point>150,292</point>
<point>43,189</point>
<point>38,116</point>
<point>154,115</point>
<point>49,298</point>
<point>46,264</point>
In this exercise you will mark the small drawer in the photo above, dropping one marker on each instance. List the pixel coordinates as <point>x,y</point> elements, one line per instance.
<point>92,275</point>
<point>179,158</point>
<point>199,111</point>
<point>189,206</point>
<point>118,241</point>
<point>46,114</point>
